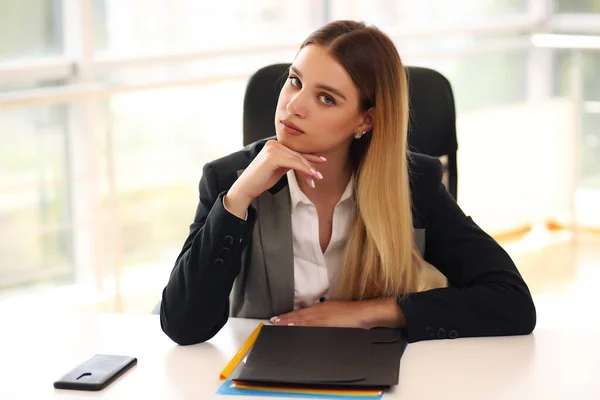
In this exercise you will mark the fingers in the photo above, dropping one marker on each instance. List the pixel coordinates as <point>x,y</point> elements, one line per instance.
<point>302,163</point>
<point>314,158</point>
<point>285,319</point>
<point>298,322</point>
<point>287,322</point>
<point>304,167</point>
<point>280,321</point>
<point>303,317</point>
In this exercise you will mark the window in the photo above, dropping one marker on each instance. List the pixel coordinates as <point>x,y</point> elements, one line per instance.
<point>590,119</point>
<point>156,26</point>
<point>35,224</point>
<point>485,81</point>
<point>163,138</point>
<point>409,14</point>
<point>163,108</point>
<point>578,6</point>
<point>30,28</point>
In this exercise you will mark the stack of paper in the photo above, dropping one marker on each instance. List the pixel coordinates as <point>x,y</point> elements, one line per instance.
<point>230,387</point>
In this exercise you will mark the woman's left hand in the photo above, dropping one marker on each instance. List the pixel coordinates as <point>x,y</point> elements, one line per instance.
<point>347,314</point>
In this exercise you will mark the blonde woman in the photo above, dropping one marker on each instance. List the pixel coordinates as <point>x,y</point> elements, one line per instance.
<point>335,223</point>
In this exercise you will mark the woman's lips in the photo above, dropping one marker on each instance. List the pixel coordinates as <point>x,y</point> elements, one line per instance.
<point>291,129</point>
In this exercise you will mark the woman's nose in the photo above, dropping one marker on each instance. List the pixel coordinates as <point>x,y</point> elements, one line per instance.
<point>297,105</point>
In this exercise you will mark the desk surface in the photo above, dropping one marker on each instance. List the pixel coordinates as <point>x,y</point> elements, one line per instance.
<point>36,350</point>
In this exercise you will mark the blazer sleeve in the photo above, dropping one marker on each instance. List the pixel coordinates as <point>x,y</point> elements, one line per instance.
<point>486,295</point>
<point>195,301</point>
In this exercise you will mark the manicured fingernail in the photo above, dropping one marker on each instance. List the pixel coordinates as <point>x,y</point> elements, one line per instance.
<point>312,183</point>
<point>275,320</point>
<point>314,171</point>
<point>323,158</point>
<point>291,324</point>
<point>320,175</point>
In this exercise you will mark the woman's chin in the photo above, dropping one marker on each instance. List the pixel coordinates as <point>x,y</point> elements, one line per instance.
<point>300,143</point>
<point>291,142</point>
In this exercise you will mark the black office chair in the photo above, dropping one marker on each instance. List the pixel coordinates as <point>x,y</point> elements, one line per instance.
<point>432,126</point>
<point>432,129</point>
<point>260,102</point>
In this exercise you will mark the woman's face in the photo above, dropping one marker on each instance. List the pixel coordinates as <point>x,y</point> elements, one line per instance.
<point>318,108</point>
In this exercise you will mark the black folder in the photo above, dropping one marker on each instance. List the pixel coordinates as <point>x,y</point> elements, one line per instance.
<point>321,356</point>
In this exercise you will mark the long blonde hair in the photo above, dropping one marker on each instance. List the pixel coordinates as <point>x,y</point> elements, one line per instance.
<point>381,258</point>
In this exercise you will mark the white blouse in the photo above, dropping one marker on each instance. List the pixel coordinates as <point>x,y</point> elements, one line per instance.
<point>315,272</point>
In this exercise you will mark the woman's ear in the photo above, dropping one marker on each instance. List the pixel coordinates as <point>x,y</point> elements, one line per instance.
<point>368,120</point>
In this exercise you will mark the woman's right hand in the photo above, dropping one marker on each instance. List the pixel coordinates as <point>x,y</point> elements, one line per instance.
<point>273,161</point>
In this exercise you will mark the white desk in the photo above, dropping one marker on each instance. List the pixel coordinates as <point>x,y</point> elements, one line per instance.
<point>36,350</point>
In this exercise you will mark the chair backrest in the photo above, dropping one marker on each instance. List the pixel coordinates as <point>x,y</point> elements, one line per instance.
<point>260,102</point>
<point>432,129</point>
<point>432,126</point>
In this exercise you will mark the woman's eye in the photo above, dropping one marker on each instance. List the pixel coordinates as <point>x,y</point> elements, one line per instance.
<point>327,99</point>
<point>295,81</point>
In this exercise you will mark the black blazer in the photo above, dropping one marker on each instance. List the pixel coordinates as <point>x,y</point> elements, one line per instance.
<point>230,267</point>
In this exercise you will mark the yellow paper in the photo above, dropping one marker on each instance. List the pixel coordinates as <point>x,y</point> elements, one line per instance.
<point>344,392</point>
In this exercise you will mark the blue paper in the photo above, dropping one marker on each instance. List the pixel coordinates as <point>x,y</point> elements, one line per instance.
<point>227,390</point>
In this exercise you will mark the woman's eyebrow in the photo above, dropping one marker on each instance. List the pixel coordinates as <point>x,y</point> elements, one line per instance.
<point>319,85</point>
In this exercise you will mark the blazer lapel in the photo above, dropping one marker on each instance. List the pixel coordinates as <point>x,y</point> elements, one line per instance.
<point>274,229</point>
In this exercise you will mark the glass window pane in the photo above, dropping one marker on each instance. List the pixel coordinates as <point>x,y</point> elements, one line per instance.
<point>590,119</point>
<point>489,80</point>
<point>578,6</point>
<point>562,73</point>
<point>408,14</point>
<point>239,65</point>
<point>478,80</point>
<point>35,231</point>
<point>590,157</point>
<point>30,28</point>
<point>163,138</point>
<point>136,27</point>
<point>590,151</point>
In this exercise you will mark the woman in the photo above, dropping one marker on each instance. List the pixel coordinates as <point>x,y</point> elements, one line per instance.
<point>335,223</point>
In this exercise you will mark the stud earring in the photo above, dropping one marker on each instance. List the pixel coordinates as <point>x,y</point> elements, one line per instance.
<point>359,135</point>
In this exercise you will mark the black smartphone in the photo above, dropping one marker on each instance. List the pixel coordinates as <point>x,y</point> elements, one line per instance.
<point>96,373</point>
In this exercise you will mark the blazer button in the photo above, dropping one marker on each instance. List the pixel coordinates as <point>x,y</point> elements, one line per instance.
<point>228,240</point>
<point>442,333</point>
<point>218,262</point>
<point>429,332</point>
<point>224,252</point>
<point>453,334</point>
